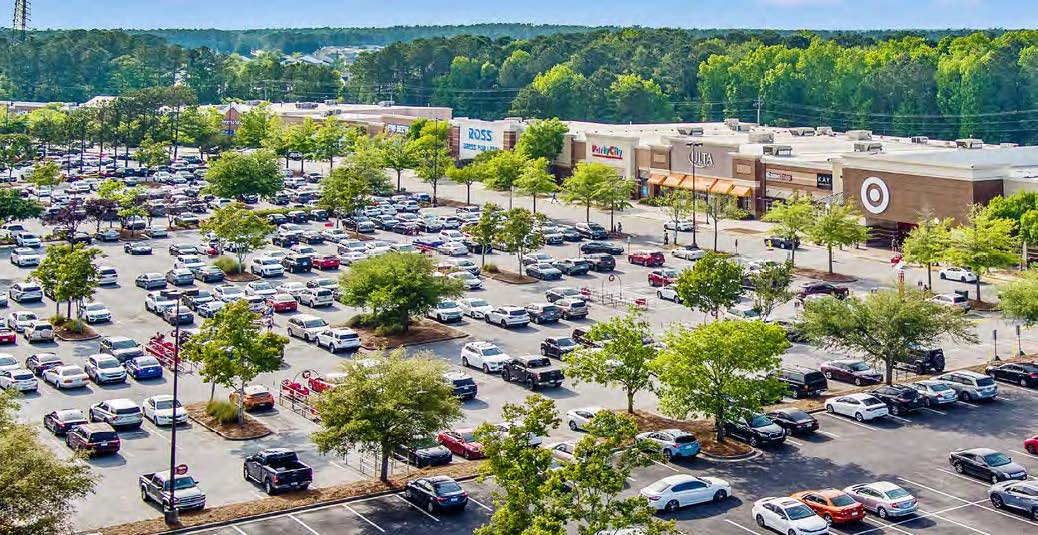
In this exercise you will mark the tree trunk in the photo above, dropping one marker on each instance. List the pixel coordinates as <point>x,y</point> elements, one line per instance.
<point>889,371</point>
<point>929,276</point>
<point>719,425</point>
<point>715,234</point>
<point>241,405</point>
<point>630,402</point>
<point>301,162</point>
<point>384,471</point>
<point>587,213</point>
<point>468,194</point>
<point>978,288</point>
<point>534,203</point>
<point>435,184</point>
<point>793,255</point>
<point>398,172</point>
<point>331,163</point>
<point>829,248</point>
<point>212,391</point>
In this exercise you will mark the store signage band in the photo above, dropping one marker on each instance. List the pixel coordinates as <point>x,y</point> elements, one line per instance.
<point>779,177</point>
<point>701,159</point>
<point>610,152</point>
<point>479,140</point>
<point>824,181</point>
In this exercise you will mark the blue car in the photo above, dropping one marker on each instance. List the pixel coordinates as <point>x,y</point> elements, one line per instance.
<point>672,443</point>
<point>427,244</point>
<point>144,367</point>
<point>422,197</point>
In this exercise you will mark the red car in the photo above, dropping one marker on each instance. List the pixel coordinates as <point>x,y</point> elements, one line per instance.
<point>328,382</point>
<point>8,336</point>
<point>1031,445</point>
<point>326,261</point>
<point>647,258</point>
<point>822,288</point>
<point>461,442</point>
<point>835,506</point>
<point>662,277</point>
<point>282,302</point>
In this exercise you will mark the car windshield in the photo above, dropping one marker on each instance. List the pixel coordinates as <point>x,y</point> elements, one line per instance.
<point>447,304</point>
<point>760,421</point>
<point>842,500</point>
<point>164,404</point>
<point>446,487</point>
<point>478,303</point>
<point>490,351</point>
<point>8,361</point>
<point>95,306</point>
<point>261,286</point>
<point>798,512</point>
<point>147,361</point>
<point>859,367</point>
<point>468,436</point>
<point>997,459</point>
<point>108,364</point>
<point>564,342</point>
<point>185,482</point>
<point>897,493</point>
<point>316,322</point>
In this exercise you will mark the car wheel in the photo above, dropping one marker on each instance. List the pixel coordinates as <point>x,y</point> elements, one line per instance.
<point>895,410</point>
<point>144,495</point>
<point>659,294</point>
<point>572,425</point>
<point>829,375</point>
<point>958,467</point>
<point>965,396</point>
<point>943,276</point>
<point>830,409</point>
<point>465,362</point>
<point>245,473</point>
<point>760,521</point>
<point>882,512</point>
<point>269,488</point>
<point>506,376</point>
<point>720,496</point>
<point>857,381</point>
<point>791,532</point>
<point>504,324</point>
<point>1034,513</point>
<point>1031,449</point>
<point>996,500</point>
<point>752,441</point>
<point>994,479</point>
<point>668,455</point>
<point>828,518</point>
<point>672,506</point>
<point>1023,383</point>
<point>963,279</point>
<point>859,417</point>
<point>531,384</point>
<point>430,506</point>
<point>486,369</point>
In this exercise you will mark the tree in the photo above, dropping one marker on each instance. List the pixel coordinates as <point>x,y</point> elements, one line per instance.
<point>46,173</point>
<point>677,204</point>
<point>884,326</point>
<point>624,360</point>
<point>637,100</point>
<point>67,272</point>
<point>38,489</point>
<point>299,139</point>
<point>152,153</point>
<point>379,405</point>
<point>713,283</point>
<point>542,139</point>
<point>15,149</point>
<point>240,230</point>
<point>501,170</point>
<point>397,154</point>
<point>232,349</point>
<point>484,231</point>
<point>536,180</point>
<point>616,197</point>
<point>13,207</point>
<point>928,244</point>
<point>587,183</point>
<point>99,210</point>
<point>344,191</point>
<point>722,369</point>
<point>718,207</point>
<point>330,141</point>
<point>518,233</point>
<point>395,287</point>
<point>433,164</point>
<point>131,205</point>
<point>256,124</point>
<point>983,243</point>
<point>236,174</point>
<point>465,176</point>
<point>794,217</point>
<point>1018,299</point>
<point>837,225</point>
<point>771,287</point>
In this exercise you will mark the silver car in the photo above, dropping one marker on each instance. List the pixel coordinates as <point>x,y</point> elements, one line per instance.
<point>970,385</point>
<point>1019,495</point>
<point>884,498</point>
<point>936,393</point>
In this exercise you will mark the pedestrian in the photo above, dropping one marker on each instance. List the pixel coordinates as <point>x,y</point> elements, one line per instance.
<point>555,198</point>
<point>666,238</point>
<point>619,228</point>
<point>919,284</point>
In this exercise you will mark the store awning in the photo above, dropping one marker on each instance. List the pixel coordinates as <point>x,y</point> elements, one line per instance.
<point>656,179</point>
<point>721,187</point>
<point>702,183</point>
<point>775,193</point>
<point>673,180</point>
<point>740,191</point>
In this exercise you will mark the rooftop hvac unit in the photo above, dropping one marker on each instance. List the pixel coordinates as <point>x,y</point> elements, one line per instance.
<point>859,135</point>
<point>731,122</point>
<point>823,130</point>
<point>1008,145</point>
<point>802,131</point>
<point>777,150</point>
<point>332,112</point>
<point>331,102</point>
<point>743,127</point>
<point>920,140</point>
<point>969,143</point>
<point>253,102</point>
<point>867,146</point>
<point>306,105</point>
<point>762,137</point>
<point>691,131</point>
<point>386,103</point>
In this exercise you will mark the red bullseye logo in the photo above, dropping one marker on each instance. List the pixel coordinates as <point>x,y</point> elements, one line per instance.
<point>875,196</point>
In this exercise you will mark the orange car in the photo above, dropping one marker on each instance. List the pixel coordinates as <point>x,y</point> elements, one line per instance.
<point>256,397</point>
<point>835,506</point>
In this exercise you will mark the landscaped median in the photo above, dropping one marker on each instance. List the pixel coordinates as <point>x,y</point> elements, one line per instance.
<point>286,503</point>
<point>702,429</point>
<point>420,331</point>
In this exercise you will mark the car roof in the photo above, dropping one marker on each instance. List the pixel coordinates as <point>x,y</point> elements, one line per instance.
<point>979,451</point>
<point>122,402</point>
<point>678,478</point>
<point>882,486</point>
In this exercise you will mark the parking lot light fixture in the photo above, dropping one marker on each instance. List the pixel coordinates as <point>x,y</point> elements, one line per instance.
<point>171,514</point>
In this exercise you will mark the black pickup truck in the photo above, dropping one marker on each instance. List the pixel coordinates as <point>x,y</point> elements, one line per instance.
<point>277,469</point>
<point>532,370</point>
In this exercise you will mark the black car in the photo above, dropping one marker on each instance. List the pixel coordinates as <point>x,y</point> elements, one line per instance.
<point>318,215</point>
<point>298,216</point>
<point>899,399</point>
<point>573,266</point>
<point>436,493</point>
<point>41,362</point>
<point>475,247</point>
<point>192,301</point>
<point>591,231</point>
<point>570,234</point>
<point>210,274</point>
<point>557,346</point>
<point>986,463</point>
<point>601,262</point>
<point>406,228</point>
<point>60,422</point>
<point>601,247</point>
<point>782,242</point>
<point>311,237</point>
<point>423,452</point>
<point>136,248</point>
<point>795,421</point>
<point>543,271</point>
<point>281,199</point>
<point>285,240</point>
<point>297,263</point>
<point>756,430</point>
<point>803,382</point>
<point>543,312</point>
<point>1022,373</point>
<point>277,219</point>
<point>249,198</point>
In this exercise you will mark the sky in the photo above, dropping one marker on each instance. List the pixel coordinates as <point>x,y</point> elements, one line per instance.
<point>778,14</point>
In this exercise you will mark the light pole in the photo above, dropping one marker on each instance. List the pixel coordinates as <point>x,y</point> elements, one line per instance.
<point>171,514</point>
<point>692,161</point>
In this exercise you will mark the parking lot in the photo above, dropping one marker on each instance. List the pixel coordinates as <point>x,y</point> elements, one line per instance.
<point>215,462</point>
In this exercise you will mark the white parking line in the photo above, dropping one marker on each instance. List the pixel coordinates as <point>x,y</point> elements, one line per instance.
<point>960,476</point>
<point>667,466</point>
<point>1024,453</point>
<point>1015,387</point>
<point>928,409</point>
<point>239,530</point>
<point>405,500</point>
<point>884,525</point>
<point>1007,515</point>
<point>362,517</point>
<point>900,419</point>
<point>968,404</point>
<point>337,465</point>
<point>828,434</point>
<point>740,526</point>
<point>935,515</point>
<point>1002,398</point>
<point>931,489</point>
<point>852,422</point>
<point>473,500</point>
<point>791,441</point>
<point>301,523</point>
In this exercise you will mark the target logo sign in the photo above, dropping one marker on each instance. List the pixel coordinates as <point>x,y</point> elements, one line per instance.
<point>875,196</point>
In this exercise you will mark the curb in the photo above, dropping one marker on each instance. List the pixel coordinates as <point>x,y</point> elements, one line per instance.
<point>63,339</point>
<point>733,459</point>
<point>225,437</point>
<point>461,334</point>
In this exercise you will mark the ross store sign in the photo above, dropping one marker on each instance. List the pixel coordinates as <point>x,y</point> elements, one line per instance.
<point>824,181</point>
<point>610,152</point>
<point>479,136</point>
<point>778,177</point>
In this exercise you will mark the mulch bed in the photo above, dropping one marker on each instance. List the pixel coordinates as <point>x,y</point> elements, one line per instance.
<point>290,501</point>
<point>510,277</point>
<point>251,429</point>
<point>983,306</point>
<point>421,331</point>
<point>702,429</point>
<point>66,335</point>
<point>452,203</point>
<point>241,277</point>
<point>818,274</point>
<point>747,231</point>
<point>127,235</point>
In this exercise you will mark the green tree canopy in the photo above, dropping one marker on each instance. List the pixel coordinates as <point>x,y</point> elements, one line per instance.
<point>240,230</point>
<point>794,217</point>
<point>771,287</point>
<point>837,225</point>
<point>535,180</point>
<point>517,233</point>
<point>714,283</point>
<point>983,243</point>
<point>625,360</point>
<point>1018,299</point>
<point>397,154</point>
<point>928,244</point>
<point>13,207</point>
<point>588,183</point>
<point>46,173</point>
<point>257,123</point>
<point>236,174</point>
<point>484,231</point>
<point>542,138</point>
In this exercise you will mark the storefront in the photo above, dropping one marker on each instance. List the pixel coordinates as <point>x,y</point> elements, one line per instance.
<point>782,181</point>
<point>617,152</point>
<point>473,137</point>
<point>706,169</point>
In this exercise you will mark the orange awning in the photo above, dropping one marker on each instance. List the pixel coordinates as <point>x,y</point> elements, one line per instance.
<point>740,191</point>
<point>702,183</point>
<point>656,180</point>
<point>721,187</point>
<point>673,180</point>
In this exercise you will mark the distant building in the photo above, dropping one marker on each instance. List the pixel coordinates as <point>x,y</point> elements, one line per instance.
<point>374,118</point>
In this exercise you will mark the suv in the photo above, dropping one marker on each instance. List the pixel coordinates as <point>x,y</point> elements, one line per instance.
<point>601,261</point>
<point>970,385</point>
<point>296,263</point>
<point>647,258</point>
<point>94,439</point>
<point>591,231</point>
<point>464,387</point>
<point>118,413</point>
<point>803,382</point>
<point>484,355</point>
<point>532,370</point>
<point>543,312</point>
<point>557,346</point>
<point>899,398</point>
<point>508,316</point>
<point>264,266</point>
<point>754,430</point>
<point>121,347</point>
<point>306,326</point>
<point>25,292</point>
<point>782,242</point>
<point>316,297</point>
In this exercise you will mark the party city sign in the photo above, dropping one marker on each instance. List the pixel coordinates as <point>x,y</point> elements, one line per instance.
<point>609,152</point>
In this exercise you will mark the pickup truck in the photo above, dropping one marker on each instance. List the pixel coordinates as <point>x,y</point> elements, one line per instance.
<point>532,370</point>
<point>156,486</point>
<point>277,469</point>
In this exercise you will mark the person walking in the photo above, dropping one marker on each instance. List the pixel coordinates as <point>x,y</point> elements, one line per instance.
<point>555,197</point>
<point>619,228</point>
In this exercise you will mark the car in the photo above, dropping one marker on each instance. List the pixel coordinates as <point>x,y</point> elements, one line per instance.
<point>445,311</point>
<point>1019,495</point>
<point>537,258</point>
<point>209,308</point>
<point>557,346</point>
<point>65,376</point>
<point>957,301</point>
<point>793,420</point>
<point>102,368</point>
<point>452,248</point>
<point>476,247</point>
<point>107,276</point>
<point>572,307</point>
<point>25,292</point>
<point>788,516</point>
<point>601,247</point>
<point>39,363</point>
<point>674,492</point>
<point>802,382</point>
<point>646,258</point>
<point>164,410</point>
<point>436,493</point>
<point>39,331</point>
<point>957,274</point>
<point>150,281</point>
<point>209,274</point>
<point>562,292</point>
<point>26,239</point>
<point>591,231</point>
<point>423,452</point>
<point>20,319</point>
<point>287,239</point>
<point>156,487</point>
<point>474,307</point>
<point>62,421</point>
<point>782,242</point>
<point>291,288</point>
<point>934,393</point>
<point>143,367</point>
<point>190,262</point>
<point>260,288</point>
<point>987,464</point>
<point>257,397</point>
<point>573,266</point>
<point>899,399</point>
<point>350,257</point>
<point>21,380</point>
<point>326,261</point>
<point>672,443</point>
<point>1022,373</point>
<point>861,406</point>
<point>265,266</point>
<point>681,225</point>
<point>822,288</point>
<point>25,257</point>
<point>277,469</point>
<point>578,419</point>
<point>467,279</point>
<point>306,327</point>
<point>462,385</point>
<point>970,385</point>
<point>156,232</point>
<point>833,505</point>
<point>484,355</point>
<point>662,277</point>
<point>120,413</point>
<point>461,442</point>
<point>544,312</point>
<point>178,249</point>
<point>508,316</point>
<point>180,276</point>
<point>543,271</point>
<point>173,316</point>
<point>8,336</point>
<point>755,430</point>
<point>883,498</point>
<point>850,371</point>
<point>228,293</point>
<point>93,439</point>
<point>339,338</point>
<point>282,302</point>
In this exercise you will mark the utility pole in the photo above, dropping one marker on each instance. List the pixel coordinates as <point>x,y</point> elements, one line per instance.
<point>20,22</point>
<point>759,103</point>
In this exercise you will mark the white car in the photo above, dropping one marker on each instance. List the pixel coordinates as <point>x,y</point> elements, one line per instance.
<point>789,516</point>
<point>276,255</point>
<point>104,368</point>
<point>688,252</point>
<point>228,293</point>
<point>162,411</point>
<point>68,376</point>
<point>445,311</point>
<point>451,235</point>
<point>304,249</point>
<point>452,248</point>
<point>468,280</point>
<point>20,319</point>
<point>24,292</point>
<point>674,492</point>
<point>861,406</point>
<point>107,275</point>
<point>95,312</point>
<point>39,331</point>
<point>669,293</point>
<point>336,339</point>
<point>316,297</point>
<point>508,316</point>
<point>957,274</point>
<point>18,379</point>
<point>306,326</point>
<point>334,235</point>
<point>484,355</point>
<point>8,362</point>
<point>24,257</point>
<point>265,266</point>
<point>260,288</point>
<point>155,302</point>
<point>884,498</point>
<point>466,265</point>
<point>356,246</point>
<point>27,239</point>
<point>474,307</point>
<point>960,302</point>
<point>188,261</point>
<point>349,257</point>
<point>577,419</point>
<point>292,288</point>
